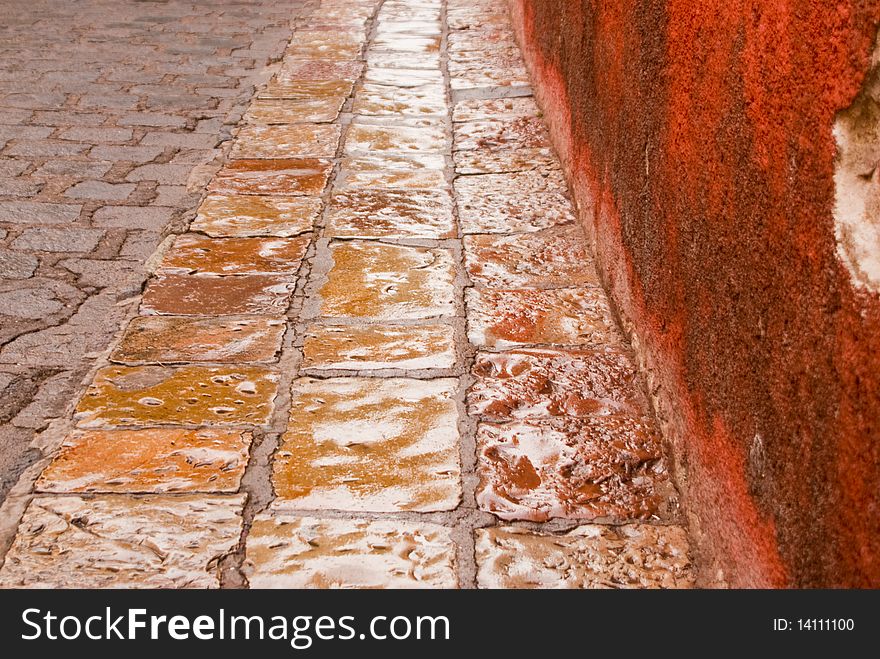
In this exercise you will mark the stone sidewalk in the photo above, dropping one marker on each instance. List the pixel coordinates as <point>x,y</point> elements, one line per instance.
<point>378,357</point>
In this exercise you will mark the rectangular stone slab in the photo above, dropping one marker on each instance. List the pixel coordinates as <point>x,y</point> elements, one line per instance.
<point>287,176</point>
<point>379,346</point>
<point>305,90</point>
<point>553,258</point>
<point>196,254</point>
<point>238,216</point>
<point>174,339</point>
<point>534,383</point>
<point>495,109</point>
<point>369,444</point>
<point>320,71</point>
<point>305,552</point>
<point>391,213</point>
<point>388,282</point>
<point>125,396</point>
<point>604,468</point>
<point>505,161</point>
<point>155,460</point>
<point>377,140</point>
<point>562,316</point>
<point>590,556</point>
<point>207,295</point>
<point>270,112</point>
<point>508,133</point>
<point>293,140</point>
<point>392,171</point>
<point>114,541</point>
<point>380,100</point>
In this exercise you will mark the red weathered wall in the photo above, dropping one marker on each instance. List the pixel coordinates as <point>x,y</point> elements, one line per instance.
<point>697,136</point>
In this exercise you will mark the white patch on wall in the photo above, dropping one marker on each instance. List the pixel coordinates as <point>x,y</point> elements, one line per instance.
<point>857,182</point>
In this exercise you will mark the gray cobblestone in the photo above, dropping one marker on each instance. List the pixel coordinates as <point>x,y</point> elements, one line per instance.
<point>58,239</point>
<point>30,212</point>
<point>132,217</point>
<point>100,190</point>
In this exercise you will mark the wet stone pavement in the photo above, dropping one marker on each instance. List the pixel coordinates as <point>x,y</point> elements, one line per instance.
<point>376,353</point>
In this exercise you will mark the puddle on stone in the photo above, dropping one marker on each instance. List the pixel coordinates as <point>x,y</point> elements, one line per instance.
<point>376,140</point>
<point>304,552</point>
<point>563,316</point>
<point>156,460</point>
<point>603,468</point>
<point>388,213</point>
<point>206,295</point>
<point>294,111</point>
<point>196,254</point>
<point>590,556</point>
<point>176,339</point>
<point>289,176</point>
<point>114,541</point>
<point>515,133</point>
<point>530,383</point>
<point>123,396</point>
<point>388,282</point>
<point>300,140</point>
<point>377,347</point>
<point>370,444</point>
<point>239,216</point>
<point>545,259</point>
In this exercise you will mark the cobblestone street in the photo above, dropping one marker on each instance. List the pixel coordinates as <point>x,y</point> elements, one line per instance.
<point>294,295</point>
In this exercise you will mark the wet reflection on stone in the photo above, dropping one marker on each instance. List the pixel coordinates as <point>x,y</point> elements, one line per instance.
<point>372,139</point>
<point>590,556</point>
<point>238,216</point>
<point>149,461</point>
<point>326,45</point>
<point>304,552</point>
<point>306,90</point>
<point>370,444</point>
<point>513,133</point>
<point>319,71</point>
<point>393,172</point>
<point>205,295</point>
<point>185,395</point>
<point>291,176</point>
<point>505,161</point>
<point>387,213</point>
<point>294,111</point>
<point>380,100</point>
<point>376,347</point>
<point>495,108</point>
<point>195,254</point>
<point>175,339</point>
<point>300,140</point>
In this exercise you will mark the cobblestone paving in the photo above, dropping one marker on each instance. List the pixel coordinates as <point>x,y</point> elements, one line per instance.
<point>380,357</point>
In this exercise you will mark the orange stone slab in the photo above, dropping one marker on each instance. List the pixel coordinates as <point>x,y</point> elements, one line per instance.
<point>186,395</point>
<point>289,176</point>
<point>207,295</point>
<point>393,172</point>
<point>380,139</point>
<point>381,100</point>
<point>563,316</point>
<point>604,468</point>
<point>379,346</point>
<point>114,541</point>
<point>531,383</point>
<point>174,339</point>
<point>306,90</point>
<point>590,556</point>
<point>388,282</point>
<point>288,141</point>
<point>320,70</point>
<point>284,551</point>
<point>326,45</point>
<point>370,444</point>
<point>238,216</point>
<point>158,460</point>
<point>391,213</point>
<point>195,254</point>
<point>294,111</point>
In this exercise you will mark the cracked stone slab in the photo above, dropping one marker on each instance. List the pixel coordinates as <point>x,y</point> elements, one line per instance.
<point>305,552</point>
<point>562,316</point>
<point>423,172</point>
<point>299,140</point>
<point>388,282</point>
<point>175,339</point>
<point>195,254</point>
<point>370,444</point>
<point>306,90</point>
<point>261,176</point>
<point>206,295</point>
<point>590,556</point>
<point>270,112</point>
<point>124,396</point>
<point>512,203</point>
<point>114,541</point>
<point>530,383</point>
<point>238,216</point>
<point>379,346</point>
<point>511,133</point>
<point>504,161</point>
<point>602,468</point>
<point>154,461</point>
<point>381,139</point>
<point>381,100</point>
<point>495,108</point>
<point>551,258</point>
<point>390,213</point>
